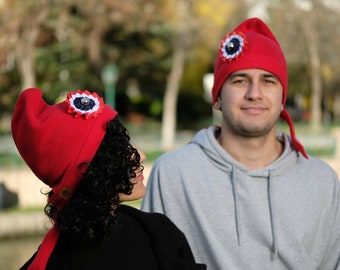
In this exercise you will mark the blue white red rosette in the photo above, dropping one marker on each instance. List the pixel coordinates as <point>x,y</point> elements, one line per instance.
<point>84,103</point>
<point>232,46</point>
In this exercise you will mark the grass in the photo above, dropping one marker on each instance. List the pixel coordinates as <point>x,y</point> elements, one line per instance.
<point>15,209</point>
<point>10,160</point>
<point>153,155</point>
<point>135,204</point>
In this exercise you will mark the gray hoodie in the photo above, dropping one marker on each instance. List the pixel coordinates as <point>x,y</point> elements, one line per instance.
<point>283,216</point>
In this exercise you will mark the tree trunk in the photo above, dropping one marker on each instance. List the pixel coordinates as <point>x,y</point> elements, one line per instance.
<point>336,108</point>
<point>170,99</point>
<point>95,39</point>
<point>316,83</point>
<point>26,38</point>
<point>25,57</point>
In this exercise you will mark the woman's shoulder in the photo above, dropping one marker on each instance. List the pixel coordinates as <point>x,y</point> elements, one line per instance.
<point>156,225</point>
<point>146,217</point>
<point>167,240</point>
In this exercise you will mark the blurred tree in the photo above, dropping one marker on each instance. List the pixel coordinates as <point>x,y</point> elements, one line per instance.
<point>64,44</point>
<point>307,36</point>
<point>21,24</point>
<point>165,46</point>
<point>191,23</point>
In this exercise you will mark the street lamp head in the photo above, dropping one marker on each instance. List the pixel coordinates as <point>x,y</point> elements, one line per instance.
<point>110,74</point>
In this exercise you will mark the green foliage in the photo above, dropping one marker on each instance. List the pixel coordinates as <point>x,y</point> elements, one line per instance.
<point>8,91</point>
<point>297,74</point>
<point>55,77</point>
<point>192,110</point>
<point>76,40</point>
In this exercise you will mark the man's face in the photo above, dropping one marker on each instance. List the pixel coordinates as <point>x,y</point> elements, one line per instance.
<point>251,102</point>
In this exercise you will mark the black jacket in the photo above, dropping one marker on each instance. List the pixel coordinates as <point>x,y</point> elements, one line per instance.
<point>143,241</point>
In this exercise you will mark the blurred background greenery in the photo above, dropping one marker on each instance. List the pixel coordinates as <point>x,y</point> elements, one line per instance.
<point>149,57</point>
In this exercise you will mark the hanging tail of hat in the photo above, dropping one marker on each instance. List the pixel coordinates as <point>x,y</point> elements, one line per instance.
<point>296,144</point>
<point>45,250</point>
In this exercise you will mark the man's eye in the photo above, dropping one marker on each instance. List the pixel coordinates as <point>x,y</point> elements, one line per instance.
<point>270,81</point>
<point>239,81</point>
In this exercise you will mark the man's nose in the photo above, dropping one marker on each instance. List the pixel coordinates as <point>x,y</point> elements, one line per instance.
<point>254,90</point>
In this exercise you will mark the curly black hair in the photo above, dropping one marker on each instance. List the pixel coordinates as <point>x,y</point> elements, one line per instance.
<point>88,217</point>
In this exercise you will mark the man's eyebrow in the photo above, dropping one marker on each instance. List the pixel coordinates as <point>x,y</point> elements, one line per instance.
<point>270,75</point>
<point>237,74</point>
<point>244,74</point>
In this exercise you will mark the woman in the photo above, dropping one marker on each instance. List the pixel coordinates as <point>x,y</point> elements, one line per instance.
<point>82,151</point>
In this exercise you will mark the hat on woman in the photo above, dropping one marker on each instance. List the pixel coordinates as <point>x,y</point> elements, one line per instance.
<point>56,142</point>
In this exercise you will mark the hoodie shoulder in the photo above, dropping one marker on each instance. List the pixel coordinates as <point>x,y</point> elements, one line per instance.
<point>202,139</point>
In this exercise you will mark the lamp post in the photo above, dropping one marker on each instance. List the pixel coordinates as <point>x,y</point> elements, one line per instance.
<point>110,76</point>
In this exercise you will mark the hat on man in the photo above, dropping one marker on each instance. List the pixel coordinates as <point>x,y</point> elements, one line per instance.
<point>253,45</point>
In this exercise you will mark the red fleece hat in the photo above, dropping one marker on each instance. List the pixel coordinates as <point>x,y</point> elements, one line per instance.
<point>253,45</point>
<point>55,141</point>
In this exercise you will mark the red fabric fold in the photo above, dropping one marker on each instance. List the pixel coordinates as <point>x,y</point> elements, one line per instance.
<point>296,144</point>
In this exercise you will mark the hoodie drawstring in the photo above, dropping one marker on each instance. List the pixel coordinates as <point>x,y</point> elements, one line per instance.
<point>234,188</point>
<point>270,187</point>
<point>272,216</point>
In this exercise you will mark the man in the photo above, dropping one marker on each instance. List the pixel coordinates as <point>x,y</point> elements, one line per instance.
<point>246,195</point>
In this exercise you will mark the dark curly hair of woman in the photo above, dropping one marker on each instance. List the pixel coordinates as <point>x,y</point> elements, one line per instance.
<point>88,217</point>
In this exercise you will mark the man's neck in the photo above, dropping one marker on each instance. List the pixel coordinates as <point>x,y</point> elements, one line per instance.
<point>253,153</point>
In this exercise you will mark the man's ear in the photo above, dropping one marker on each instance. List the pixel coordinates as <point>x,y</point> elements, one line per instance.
<point>217,105</point>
